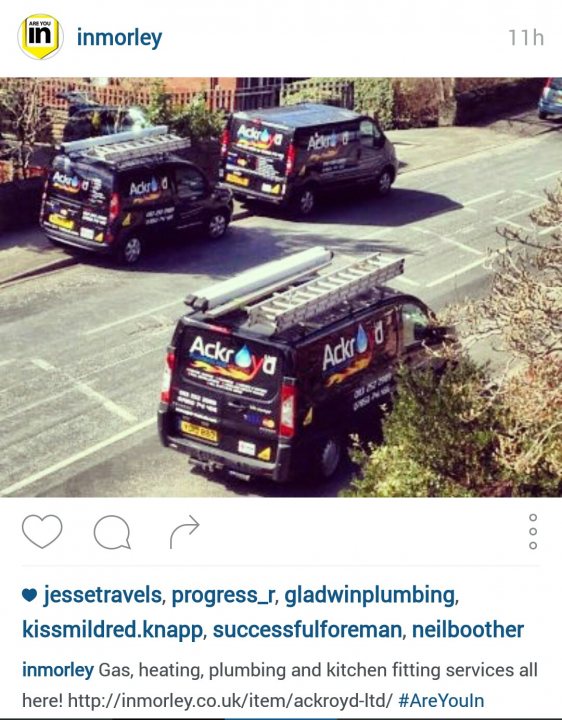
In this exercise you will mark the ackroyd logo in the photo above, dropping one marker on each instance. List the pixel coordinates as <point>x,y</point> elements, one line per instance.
<point>40,36</point>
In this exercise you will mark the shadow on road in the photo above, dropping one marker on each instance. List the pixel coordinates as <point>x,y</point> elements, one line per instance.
<point>265,238</point>
<point>265,488</point>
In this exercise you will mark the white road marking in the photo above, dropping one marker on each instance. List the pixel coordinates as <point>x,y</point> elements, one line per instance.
<point>86,390</point>
<point>43,364</point>
<point>548,175</point>
<point>6,362</point>
<point>482,198</point>
<point>517,225</point>
<point>524,211</point>
<point>531,195</point>
<point>461,245</point>
<point>35,477</point>
<point>445,238</point>
<point>105,401</point>
<point>454,274</point>
<point>406,280</point>
<point>107,326</point>
<point>550,229</point>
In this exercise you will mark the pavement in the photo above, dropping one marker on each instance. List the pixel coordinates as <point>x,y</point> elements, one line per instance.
<point>26,253</point>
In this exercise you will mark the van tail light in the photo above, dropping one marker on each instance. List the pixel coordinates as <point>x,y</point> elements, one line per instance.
<point>287,424</point>
<point>290,159</point>
<point>44,197</point>
<point>225,142</point>
<point>114,207</point>
<point>165,392</point>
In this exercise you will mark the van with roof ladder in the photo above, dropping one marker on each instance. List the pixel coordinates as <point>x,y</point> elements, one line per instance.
<point>289,156</point>
<point>269,372</point>
<point>116,194</point>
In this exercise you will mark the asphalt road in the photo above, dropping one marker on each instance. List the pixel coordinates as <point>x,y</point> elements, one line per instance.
<point>82,349</point>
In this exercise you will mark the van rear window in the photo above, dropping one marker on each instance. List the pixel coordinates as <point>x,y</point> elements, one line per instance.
<point>259,138</point>
<point>76,181</point>
<point>230,364</point>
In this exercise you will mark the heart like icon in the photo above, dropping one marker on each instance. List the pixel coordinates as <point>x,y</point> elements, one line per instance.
<point>42,531</point>
<point>29,594</point>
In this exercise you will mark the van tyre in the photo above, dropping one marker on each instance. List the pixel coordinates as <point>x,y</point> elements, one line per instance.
<point>542,115</point>
<point>131,250</point>
<point>329,455</point>
<point>217,224</point>
<point>384,182</point>
<point>304,202</point>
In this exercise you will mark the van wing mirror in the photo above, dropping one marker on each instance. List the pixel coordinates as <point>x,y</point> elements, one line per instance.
<point>434,333</point>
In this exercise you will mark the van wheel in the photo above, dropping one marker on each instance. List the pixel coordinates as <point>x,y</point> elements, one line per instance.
<point>329,455</point>
<point>304,202</point>
<point>542,115</point>
<point>384,182</point>
<point>131,250</point>
<point>217,224</point>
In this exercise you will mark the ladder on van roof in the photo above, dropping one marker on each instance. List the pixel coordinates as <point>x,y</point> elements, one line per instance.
<point>300,304</point>
<point>125,147</point>
<point>290,291</point>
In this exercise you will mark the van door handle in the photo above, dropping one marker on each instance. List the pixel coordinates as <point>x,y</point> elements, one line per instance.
<point>236,405</point>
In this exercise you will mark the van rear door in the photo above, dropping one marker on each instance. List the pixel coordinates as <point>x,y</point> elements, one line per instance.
<point>77,199</point>
<point>226,392</point>
<point>256,157</point>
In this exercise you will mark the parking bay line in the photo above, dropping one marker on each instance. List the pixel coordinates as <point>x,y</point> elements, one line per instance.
<point>107,326</point>
<point>453,274</point>
<point>482,198</point>
<point>548,175</point>
<point>62,464</point>
<point>445,238</point>
<point>86,390</point>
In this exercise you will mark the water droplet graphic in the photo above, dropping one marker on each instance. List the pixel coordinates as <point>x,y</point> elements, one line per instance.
<point>243,357</point>
<point>154,184</point>
<point>264,137</point>
<point>362,340</point>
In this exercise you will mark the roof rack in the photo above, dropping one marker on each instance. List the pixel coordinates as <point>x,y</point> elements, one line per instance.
<point>302,302</point>
<point>297,305</point>
<point>128,147</point>
<point>251,285</point>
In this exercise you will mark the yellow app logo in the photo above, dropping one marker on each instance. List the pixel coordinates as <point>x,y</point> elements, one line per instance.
<point>40,36</point>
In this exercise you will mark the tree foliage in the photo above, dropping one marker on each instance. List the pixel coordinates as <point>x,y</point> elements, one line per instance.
<point>23,111</point>
<point>471,431</point>
<point>194,120</point>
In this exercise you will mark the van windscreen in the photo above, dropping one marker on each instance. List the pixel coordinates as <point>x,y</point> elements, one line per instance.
<point>230,364</point>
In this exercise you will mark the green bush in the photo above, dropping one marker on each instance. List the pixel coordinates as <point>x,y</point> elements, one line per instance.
<point>375,97</point>
<point>194,120</point>
<point>441,438</point>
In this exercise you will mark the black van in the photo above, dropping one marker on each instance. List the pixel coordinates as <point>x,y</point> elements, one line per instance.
<point>269,373</point>
<point>288,155</point>
<point>115,193</point>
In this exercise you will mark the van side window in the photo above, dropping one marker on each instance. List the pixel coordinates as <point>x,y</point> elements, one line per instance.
<point>369,134</point>
<point>412,316</point>
<point>190,183</point>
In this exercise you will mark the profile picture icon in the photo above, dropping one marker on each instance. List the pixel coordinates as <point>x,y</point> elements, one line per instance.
<point>40,36</point>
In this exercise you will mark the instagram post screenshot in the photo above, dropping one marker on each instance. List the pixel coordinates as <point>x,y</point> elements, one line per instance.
<point>281,360</point>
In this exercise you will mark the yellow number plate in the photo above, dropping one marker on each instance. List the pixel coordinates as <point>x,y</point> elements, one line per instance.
<point>62,222</point>
<point>237,179</point>
<point>199,431</point>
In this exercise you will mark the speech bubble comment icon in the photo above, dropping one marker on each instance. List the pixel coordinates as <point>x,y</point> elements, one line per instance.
<point>112,532</point>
